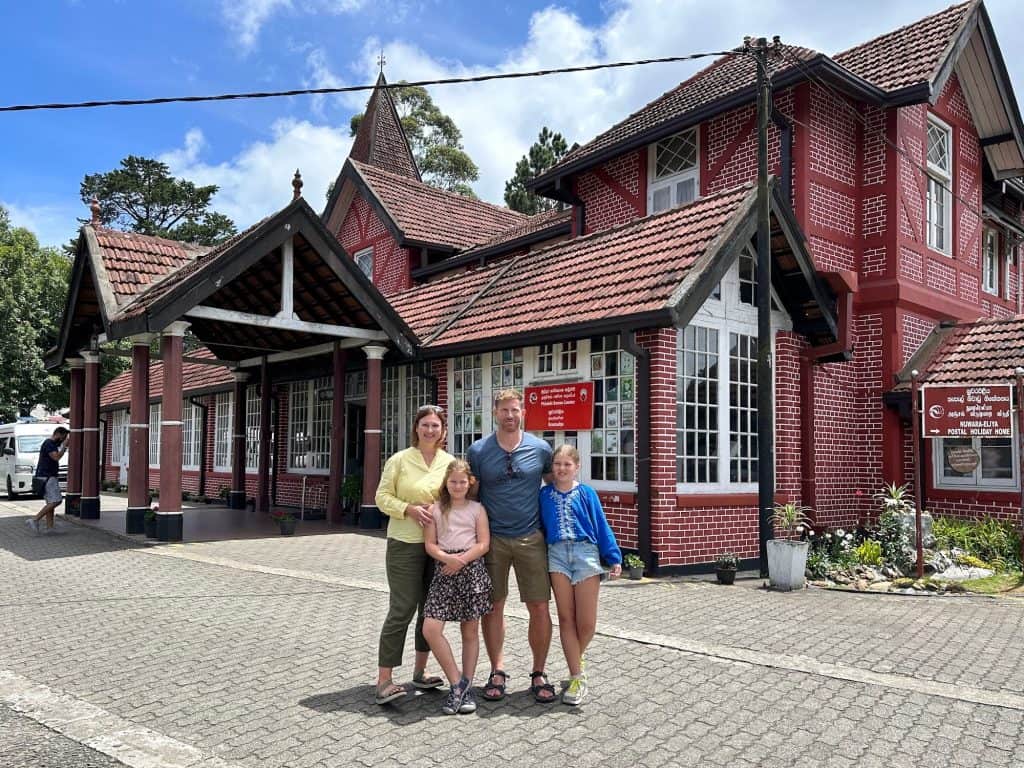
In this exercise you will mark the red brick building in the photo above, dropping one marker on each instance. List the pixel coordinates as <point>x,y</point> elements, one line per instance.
<point>896,205</point>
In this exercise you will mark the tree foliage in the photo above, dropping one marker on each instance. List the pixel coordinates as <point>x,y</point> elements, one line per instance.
<point>435,140</point>
<point>33,289</point>
<point>546,151</point>
<point>142,196</point>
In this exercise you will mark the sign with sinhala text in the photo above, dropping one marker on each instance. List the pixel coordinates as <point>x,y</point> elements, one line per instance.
<point>966,411</point>
<point>560,406</point>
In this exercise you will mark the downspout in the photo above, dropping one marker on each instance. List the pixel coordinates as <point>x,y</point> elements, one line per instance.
<point>785,151</point>
<point>205,409</point>
<point>643,445</point>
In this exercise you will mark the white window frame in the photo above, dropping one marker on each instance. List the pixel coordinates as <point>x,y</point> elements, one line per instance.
<point>252,429</point>
<point>558,359</point>
<point>939,186</point>
<point>191,435</point>
<point>655,183</point>
<point>975,481</point>
<point>155,414</point>
<point>309,421</point>
<point>119,437</point>
<point>364,260</point>
<point>728,315</point>
<point>990,261</point>
<point>223,420</point>
<point>1009,263</point>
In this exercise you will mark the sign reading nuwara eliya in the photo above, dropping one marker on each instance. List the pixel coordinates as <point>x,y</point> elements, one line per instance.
<point>966,411</point>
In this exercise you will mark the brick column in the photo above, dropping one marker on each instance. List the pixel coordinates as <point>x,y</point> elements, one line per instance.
<point>169,523</point>
<point>89,509</point>
<point>263,486</point>
<point>236,499</point>
<point>340,363</point>
<point>138,437</point>
<point>369,515</point>
<point>73,501</point>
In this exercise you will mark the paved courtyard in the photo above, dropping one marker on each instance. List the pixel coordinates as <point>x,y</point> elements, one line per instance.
<point>261,652</point>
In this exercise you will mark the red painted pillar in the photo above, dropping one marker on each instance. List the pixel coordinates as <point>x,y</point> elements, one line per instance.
<point>138,437</point>
<point>73,502</point>
<point>89,508</point>
<point>334,501</point>
<point>169,522</point>
<point>369,515</point>
<point>236,499</point>
<point>263,487</point>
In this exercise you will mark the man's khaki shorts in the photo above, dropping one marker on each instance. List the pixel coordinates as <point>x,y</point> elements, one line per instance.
<point>529,556</point>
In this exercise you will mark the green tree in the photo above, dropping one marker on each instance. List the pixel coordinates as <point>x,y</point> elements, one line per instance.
<point>435,140</point>
<point>33,289</point>
<point>546,151</point>
<point>142,196</point>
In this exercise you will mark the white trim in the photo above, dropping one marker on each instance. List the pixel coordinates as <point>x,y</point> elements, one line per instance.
<point>374,351</point>
<point>138,426</point>
<point>90,358</point>
<point>285,324</point>
<point>990,276</point>
<point>287,279</point>
<point>75,362</point>
<point>359,255</point>
<point>943,179</point>
<point>976,483</point>
<point>177,328</point>
<point>296,354</point>
<point>657,184</point>
<point>170,423</point>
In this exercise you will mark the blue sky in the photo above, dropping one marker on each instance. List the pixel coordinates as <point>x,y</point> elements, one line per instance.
<point>100,49</point>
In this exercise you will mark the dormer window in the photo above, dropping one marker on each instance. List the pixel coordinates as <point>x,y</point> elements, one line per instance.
<point>990,262</point>
<point>364,260</point>
<point>940,184</point>
<point>673,172</point>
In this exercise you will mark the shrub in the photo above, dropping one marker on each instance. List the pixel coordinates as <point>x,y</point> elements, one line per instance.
<point>633,561</point>
<point>727,561</point>
<point>818,563</point>
<point>992,541</point>
<point>893,539</point>
<point>869,552</point>
<point>970,561</point>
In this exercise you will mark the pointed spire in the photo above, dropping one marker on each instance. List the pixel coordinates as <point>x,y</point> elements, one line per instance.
<point>380,140</point>
<point>95,210</point>
<point>296,185</point>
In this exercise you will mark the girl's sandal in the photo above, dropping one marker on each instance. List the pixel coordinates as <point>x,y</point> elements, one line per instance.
<point>424,683</point>
<point>543,688</point>
<point>495,691</point>
<point>387,692</point>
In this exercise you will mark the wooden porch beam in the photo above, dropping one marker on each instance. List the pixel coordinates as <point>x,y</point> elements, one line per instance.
<point>285,324</point>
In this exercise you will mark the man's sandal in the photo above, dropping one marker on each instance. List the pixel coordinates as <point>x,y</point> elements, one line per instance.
<point>495,691</point>
<point>544,687</point>
<point>424,683</point>
<point>388,691</point>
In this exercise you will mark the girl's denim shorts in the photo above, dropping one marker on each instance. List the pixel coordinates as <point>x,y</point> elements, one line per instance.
<point>578,560</point>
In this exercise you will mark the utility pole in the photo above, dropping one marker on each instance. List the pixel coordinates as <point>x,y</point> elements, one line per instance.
<point>765,375</point>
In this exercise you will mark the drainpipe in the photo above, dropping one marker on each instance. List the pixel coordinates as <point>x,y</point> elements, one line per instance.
<point>204,409</point>
<point>785,151</point>
<point>643,445</point>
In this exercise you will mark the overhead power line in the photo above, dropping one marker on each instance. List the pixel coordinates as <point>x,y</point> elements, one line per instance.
<point>357,88</point>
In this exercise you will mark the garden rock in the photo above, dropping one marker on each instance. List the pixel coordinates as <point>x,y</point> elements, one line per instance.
<point>910,525</point>
<point>963,573</point>
<point>939,562</point>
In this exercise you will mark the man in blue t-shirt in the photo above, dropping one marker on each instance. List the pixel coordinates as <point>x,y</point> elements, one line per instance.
<point>509,465</point>
<point>46,478</point>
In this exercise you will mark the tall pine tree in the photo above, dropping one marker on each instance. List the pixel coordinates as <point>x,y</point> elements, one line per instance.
<point>545,152</point>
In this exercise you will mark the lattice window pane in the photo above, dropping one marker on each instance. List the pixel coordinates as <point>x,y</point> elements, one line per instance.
<point>612,440</point>
<point>568,356</point>
<point>742,408</point>
<point>190,434</point>
<point>467,410</point>
<point>391,418</point>
<point>546,358</point>
<point>675,154</point>
<point>938,147</point>
<point>298,425</point>
<point>252,428</point>
<point>154,434</point>
<point>320,429</point>
<point>697,383</point>
<point>223,411</point>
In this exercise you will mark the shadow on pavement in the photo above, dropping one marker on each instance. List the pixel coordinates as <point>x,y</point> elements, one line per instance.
<point>18,539</point>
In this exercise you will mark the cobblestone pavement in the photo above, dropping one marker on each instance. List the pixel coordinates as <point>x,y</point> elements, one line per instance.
<point>24,743</point>
<point>262,653</point>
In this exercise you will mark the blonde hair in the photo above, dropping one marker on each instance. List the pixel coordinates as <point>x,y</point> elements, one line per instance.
<point>569,450</point>
<point>422,413</point>
<point>444,497</point>
<point>508,394</point>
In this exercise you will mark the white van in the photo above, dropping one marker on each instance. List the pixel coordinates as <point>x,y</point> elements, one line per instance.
<point>19,454</point>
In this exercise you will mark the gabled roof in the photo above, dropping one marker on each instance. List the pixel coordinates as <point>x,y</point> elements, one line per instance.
<point>380,140</point>
<point>421,215</point>
<point>985,351</point>
<point>653,271</point>
<point>195,378</point>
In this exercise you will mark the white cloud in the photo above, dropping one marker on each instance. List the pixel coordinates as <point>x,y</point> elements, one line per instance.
<point>257,181</point>
<point>245,18</point>
<point>53,224</point>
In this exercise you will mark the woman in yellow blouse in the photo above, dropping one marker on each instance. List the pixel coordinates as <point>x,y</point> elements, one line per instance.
<point>409,484</point>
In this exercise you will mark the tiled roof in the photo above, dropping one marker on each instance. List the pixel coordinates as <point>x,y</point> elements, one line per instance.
<point>537,223</point>
<point>906,56</point>
<point>722,77</point>
<point>628,270</point>
<point>984,351</point>
<point>195,376</point>
<point>380,140</point>
<point>430,215</point>
<point>134,262</point>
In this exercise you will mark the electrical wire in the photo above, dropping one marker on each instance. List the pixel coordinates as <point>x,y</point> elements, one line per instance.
<point>357,88</point>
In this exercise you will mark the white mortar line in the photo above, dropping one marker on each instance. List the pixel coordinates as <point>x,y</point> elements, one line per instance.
<point>790,663</point>
<point>85,723</point>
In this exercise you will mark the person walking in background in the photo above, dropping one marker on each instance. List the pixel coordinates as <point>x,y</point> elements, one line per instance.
<point>579,540</point>
<point>510,464</point>
<point>46,481</point>
<point>409,484</point>
<point>457,537</point>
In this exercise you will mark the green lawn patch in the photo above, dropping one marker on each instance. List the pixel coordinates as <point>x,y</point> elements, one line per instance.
<point>996,584</point>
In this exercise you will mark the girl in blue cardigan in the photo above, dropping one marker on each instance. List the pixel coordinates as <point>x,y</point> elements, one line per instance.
<point>579,540</point>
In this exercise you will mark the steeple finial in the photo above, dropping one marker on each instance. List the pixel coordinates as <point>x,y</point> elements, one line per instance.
<point>296,185</point>
<point>381,61</point>
<point>94,208</point>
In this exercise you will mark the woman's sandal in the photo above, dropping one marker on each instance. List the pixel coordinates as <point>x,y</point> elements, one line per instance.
<point>544,687</point>
<point>491,686</point>
<point>388,691</point>
<point>424,683</point>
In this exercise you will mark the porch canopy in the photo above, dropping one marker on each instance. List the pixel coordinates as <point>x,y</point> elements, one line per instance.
<point>280,290</point>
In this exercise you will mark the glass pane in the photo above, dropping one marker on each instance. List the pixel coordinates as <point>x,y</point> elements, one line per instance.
<point>661,200</point>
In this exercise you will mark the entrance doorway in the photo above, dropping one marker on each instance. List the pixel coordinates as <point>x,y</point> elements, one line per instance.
<point>355,446</point>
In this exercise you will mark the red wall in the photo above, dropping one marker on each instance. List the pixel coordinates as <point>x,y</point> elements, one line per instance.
<point>362,228</point>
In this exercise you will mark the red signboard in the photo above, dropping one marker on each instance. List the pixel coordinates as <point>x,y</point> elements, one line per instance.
<point>560,406</point>
<point>966,411</point>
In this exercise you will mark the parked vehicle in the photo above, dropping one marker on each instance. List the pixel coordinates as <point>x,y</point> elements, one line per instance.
<point>19,453</point>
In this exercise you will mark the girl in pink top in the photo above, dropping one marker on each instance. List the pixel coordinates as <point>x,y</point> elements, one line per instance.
<point>457,537</point>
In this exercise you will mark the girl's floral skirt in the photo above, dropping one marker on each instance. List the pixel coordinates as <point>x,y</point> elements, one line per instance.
<point>463,596</point>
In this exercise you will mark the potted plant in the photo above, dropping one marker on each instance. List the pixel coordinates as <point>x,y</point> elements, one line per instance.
<point>635,566</point>
<point>726,566</point>
<point>787,558</point>
<point>286,521</point>
<point>351,495</point>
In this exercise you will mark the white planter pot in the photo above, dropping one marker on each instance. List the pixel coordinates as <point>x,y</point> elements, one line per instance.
<point>786,563</point>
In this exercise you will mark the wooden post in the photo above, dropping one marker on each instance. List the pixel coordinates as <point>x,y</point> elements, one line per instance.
<point>340,361</point>
<point>89,509</point>
<point>169,522</point>
<point>263,485</point>
<point>1019,373</point>
<point>236,499</point>
<point>915,422</point>
<point>369,515</point>
<point>138,437</point>
<point>74,490</point>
